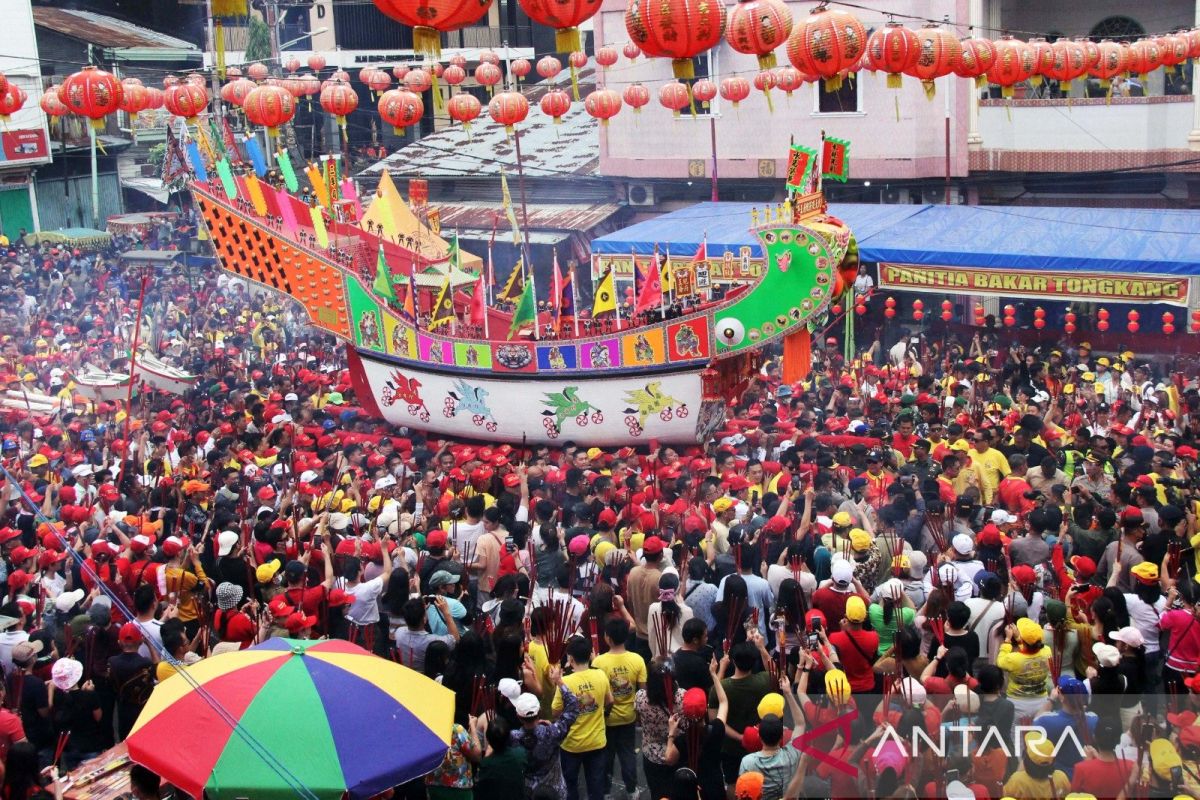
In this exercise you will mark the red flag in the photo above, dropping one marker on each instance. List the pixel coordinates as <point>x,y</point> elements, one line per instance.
<point>701,254</point>
<point>650,289</point>
<point>556,290</point>
<point>477,302</point>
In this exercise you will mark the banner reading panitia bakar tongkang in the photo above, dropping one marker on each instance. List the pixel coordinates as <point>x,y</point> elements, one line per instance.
<point>1036,285</point>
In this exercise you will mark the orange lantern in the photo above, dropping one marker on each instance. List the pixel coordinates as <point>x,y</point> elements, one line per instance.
<point>1014,64</point>
<point>488,74</point>
<point>978,55</point>
<point>91,93</point>
<point>704,91</point>
<point>316,62</point>
<point>676,29</point>
<point>454,75</point>
<point>269,106</point>
<point>631,51</point>
<point>635,96</point>
<point>757,27</point>
<point>674,95</point>
<point>1070,62</point>
<point>340,75</point>
<point>400,109</point>
<point>1145,56</point>
<point>893,49</point>
<point>236,90</point>
<point>154,97</point>
<point>429,19</point>
<point>788,79</point>
<point>292,64</point>
<point>520,68</point>
<point>556,103</point>
<point>134,99</point>
<point>1043,59</point>
<point>1174,49</point>
<point>938,53</point>
<point>603,104</point>
<point>735,90</point>
<point>464,107</point>
<point>418,80</point>
<point>577,59</point>
<point>339,99</point>
<point>827,44</point>
<point>508,109</point>
<point>257,71</point>
<point>1110,63</point>
<point>548,66</point>
<point>50,104</point>
<point>607,56</point>
<point>399,71</point>
<point>169,81</point>
<point>1091,52</point>
<point>186,100</point>
<point>1192,38</point>
<point>379,81</point>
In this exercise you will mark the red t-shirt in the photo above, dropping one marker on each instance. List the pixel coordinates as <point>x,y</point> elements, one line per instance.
<point>859,668</point>
<point>11,731</point>
<point>832,604</point>
<point>1012,495</point>
<point>312,598</point>
<point>904,444</point>
<point>1184,644</point>
<point>1102,779</point>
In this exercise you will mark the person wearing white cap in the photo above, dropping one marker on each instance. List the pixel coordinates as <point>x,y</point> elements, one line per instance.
<point>542,741</point>
<point>963,552</point>
<point>231,563</point>
<point>1131,649</point>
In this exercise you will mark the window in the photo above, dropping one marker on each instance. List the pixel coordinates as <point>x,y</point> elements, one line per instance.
<point>704,66</point>
<point>845,100</point>
<point>1119,29</point>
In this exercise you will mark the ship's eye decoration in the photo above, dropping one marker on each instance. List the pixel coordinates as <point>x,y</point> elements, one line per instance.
<point>730,332</point>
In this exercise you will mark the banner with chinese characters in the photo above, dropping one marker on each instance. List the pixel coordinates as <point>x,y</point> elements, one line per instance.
<point>1097,287</point>
<point>726,267</point>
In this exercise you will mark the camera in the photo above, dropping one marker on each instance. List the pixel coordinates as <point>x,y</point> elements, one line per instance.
<point>429,599</point>
<point>812,641</point>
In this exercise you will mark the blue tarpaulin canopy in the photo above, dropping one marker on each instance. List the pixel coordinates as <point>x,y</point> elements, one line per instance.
<point>1099,240</point>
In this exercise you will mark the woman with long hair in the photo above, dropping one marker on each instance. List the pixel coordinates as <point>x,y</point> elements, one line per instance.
<point>1183,637</point>
<point>468,660</point>
<point>548,550</point>
<point>788,618</point>
<point>732,612</point>
<point>666,617</point>
<point>655,704</point>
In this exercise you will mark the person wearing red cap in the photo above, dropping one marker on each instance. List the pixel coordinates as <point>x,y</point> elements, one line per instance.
<point>1125,550</point>
<point>132,678</point>
<point>642,592</point>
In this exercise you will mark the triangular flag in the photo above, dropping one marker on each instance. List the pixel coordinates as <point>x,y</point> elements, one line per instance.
<point>649,292</point>
<point>443,309</point>
<point>408,311</point>
<point>606,295</point>
<point>524,315</point>
<point>383,279</point>
<point>455,255</point>
<point>701,256</point>
<point>515,286</point>
<point>667,273</point>
<point>478,299</point>
<point>509,212</point>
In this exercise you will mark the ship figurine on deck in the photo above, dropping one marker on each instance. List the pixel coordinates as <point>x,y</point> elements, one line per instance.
<point>624,381</point>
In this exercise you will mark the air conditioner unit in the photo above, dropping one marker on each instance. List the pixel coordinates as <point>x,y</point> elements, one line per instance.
<point>895,196</point>
<point>936,195</point>
<point>641,194</point>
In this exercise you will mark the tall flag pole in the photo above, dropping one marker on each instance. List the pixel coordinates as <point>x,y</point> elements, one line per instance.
<point>662,287</point>
<point>531,285</point>
<point>574,301</point>
<point>633,259</point>
<point>701,260</point>
<point>556,292</point>
<point>491,267</point>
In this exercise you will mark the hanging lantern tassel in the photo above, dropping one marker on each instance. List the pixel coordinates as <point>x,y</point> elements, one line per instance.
<point>567,40</point>
<point>427,41</point>
<point>770,105</point>
<point>439,104</point>
<point>683,68</point>
<point>930,89</point>
<point>575,83</point>
<point>284,159</point>
<point>219,46</point>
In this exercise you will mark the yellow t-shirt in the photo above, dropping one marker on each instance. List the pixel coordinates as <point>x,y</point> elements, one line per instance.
<point>541,665</point>
<point>625,671</point>
<point>1028,674</point>
<point>164,670</point>
<point>991,467</point>
<point>1021,786</point>
<point>591,687</point>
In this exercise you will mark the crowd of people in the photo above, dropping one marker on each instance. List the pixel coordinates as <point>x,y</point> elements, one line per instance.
<point>957,572</point>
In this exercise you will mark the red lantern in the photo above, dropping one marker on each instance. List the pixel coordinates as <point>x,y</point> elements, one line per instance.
<point>675,29</point>
<point>257,71</point>
<point>1102,325</point>
<point>134,100</point>
<point>893,49</point>
<point>340,75</point>
<point>577,59</point>
<point>1174,49</point>
<point>918,315</point>
<point>735,90</point>
<point>155,97</point>
<point>946,316</point>
<point>489,57</point>
<point>316,62</point>
<point>1010,321</point>
<point>704,90</point>
<point>269,106</point>
<point>230,72</point>
<point>565,16</point>
<point>508,109</point>
<point>1168,318</point>
<point>1070,62</point>
<point>50,104</point>
<point>429,19</point>
<point>918,305</point>
<point>764,81</point>
<point>1144,56</point>
<point>631,51</point>
<point>1039,313</point>
<point>1069,327</point>
<point>939,53</point>
<point>455,75</point>
<point>980,315</point>
<point>788,79</point>
<point>603,104</point>
<point>1133,327</point>
<point>836,309</point>
<point>827,44</point>
<point>890,313</point>
<point>419,80</point>
<point>607,56</point>
<point>890,302</point>
<point>1192,38</point>
<point>1043,59</point>
<point>401,109</point>
<point>1070,317</point>
<point>1133,316</point>
<point>291,65</point>
<point>1196,315</point>
<point>171,80</point>
<point>1039,323</point>
<point>187,100</point>
<point>1102,314</point>
<point>91,93</point>
<point>488,74</point>
<point>464,107</point>
<point>860,309</point>
<point>1014,64</point>
<point>674,95</point>
<point>520,68</point>
<point>399,71</point>
<point>635,96</point>
<point>1168,328</point>
<point>978,55</point>
<point>548,66</point>
<point>340,100</point>
<point>1110,63</point>
<point>757,27</point>
<point>556,103</point>
<point>235,91</point>
<point>947,305</point>
<point>379,81</point>
<point>1009,311</point>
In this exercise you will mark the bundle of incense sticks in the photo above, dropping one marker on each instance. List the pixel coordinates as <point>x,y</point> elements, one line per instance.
<point>531,551</point>
<point>935,526</point>
<point>594,632</point>
<point>695,739</point>
<point>63,738</point>
<point>483,695</point>
<point>734,606</point>
<point>669,689</point>
<point>1059,638</point>
<point>662,634</point>
<point>991,564</point>
<point>559,627</point>
<point>794,565</point>
<point>938,625</point>
<point>1174,557</point>
<point>737,555</point>
<point>1010,612</point>
<point>483,625</point>
<point>774,669</point>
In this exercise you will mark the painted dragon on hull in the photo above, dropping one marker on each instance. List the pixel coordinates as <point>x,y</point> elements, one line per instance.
<point>668,380</point>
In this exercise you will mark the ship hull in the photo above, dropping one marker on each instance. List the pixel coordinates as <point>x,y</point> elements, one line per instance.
<point>606,412</point>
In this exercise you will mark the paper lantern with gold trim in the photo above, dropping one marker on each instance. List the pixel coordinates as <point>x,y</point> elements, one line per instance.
<point>400,109</point>
<point>788,79</point>
<point>757,27</point>
<point>340,100</point>
<point>607,56</point>
<point>735,89</point>
<point>454,75</point>
<point>418,80</point>
<point>508,109</point>
<point>676,29</point>
<point>548,66</point>
<point>1110,63</point>
<point>631,51</point>
<point>519,68</point>
<point>555,104</point>
<point>236,90</point>
<point>827,44</point>
<point>893,49</point>
<point>1070,63</point>
<point>635,96</point>
<point>603,104</point>
<point>939,53</point>
<point>269,106</point>
<point>135,99</point>
<point>1014,64</point>
<point>464,107</point>
<point>704,90</point>
<point>565,16</point>
<point>1174,49</point>
<point>49,102</point>
<point>1043,59</point>
<point>292,64</point>
<point>429,19</point>
<point>316,62</point>
<point>257,71</point>
<point>187,100</point>
<point>1192,38</point>
<point>487,74</point>
<point>91,92</point>
<point>978,55</point>
<point>674,95</point>
<point>1145,56</point>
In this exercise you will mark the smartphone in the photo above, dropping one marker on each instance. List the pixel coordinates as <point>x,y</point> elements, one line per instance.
<point>509,544</point>
<point>318,539</point>
<point>812,641</point>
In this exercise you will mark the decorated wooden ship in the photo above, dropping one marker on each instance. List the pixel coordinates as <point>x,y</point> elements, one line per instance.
<point>664,379</point>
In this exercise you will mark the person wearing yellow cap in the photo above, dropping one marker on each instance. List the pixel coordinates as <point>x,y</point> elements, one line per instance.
<point>857,648</point>
<point>1025,658</point>
<point>1037,778</point>
<point>1167,775</point>
<point>725,508</point>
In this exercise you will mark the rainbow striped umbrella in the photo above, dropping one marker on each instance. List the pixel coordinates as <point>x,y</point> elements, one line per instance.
<point>290,718</point>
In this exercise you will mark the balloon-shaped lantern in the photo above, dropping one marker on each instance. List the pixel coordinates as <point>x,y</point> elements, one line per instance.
<point>508,109</point>
<point>187,100</point>
<point>1070,62</point>
<point>676,29</point>
<point>292,64</point>
<point>757,27</point>
<point>735,89</point>
<point>555,104</point>
<point>464,107</point>
<point>939,53</point>
<point>91,93</point>
<point>674,95</point>
<point>1109,64</point>
<point>400,109</point>
<point>316,62</point>
<point>978,55</point>
<point>519,68</point>
<point>236,90</point>
<point>340,100</point>
<point>704,90</point>
<point>827,44</point>
<point>607,56</point>
<point>49,102</point>
<point>893,49</point>
<point>429,19</point>
<point>603,104</point>
<point>635,96</point>
<point>258,71</point>
<point>788,79</point>
<point>488,74</point>
<point>565,16</point>
<point>1014,64</point>
<point>269,106</point>
<point>548,66</point>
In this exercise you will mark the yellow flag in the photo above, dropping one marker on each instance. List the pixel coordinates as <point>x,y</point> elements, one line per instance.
<point>667,275</point>
<point>515,286</point>
<point>605,300</point>
<point>507,203</point>
<point>443,309</point>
